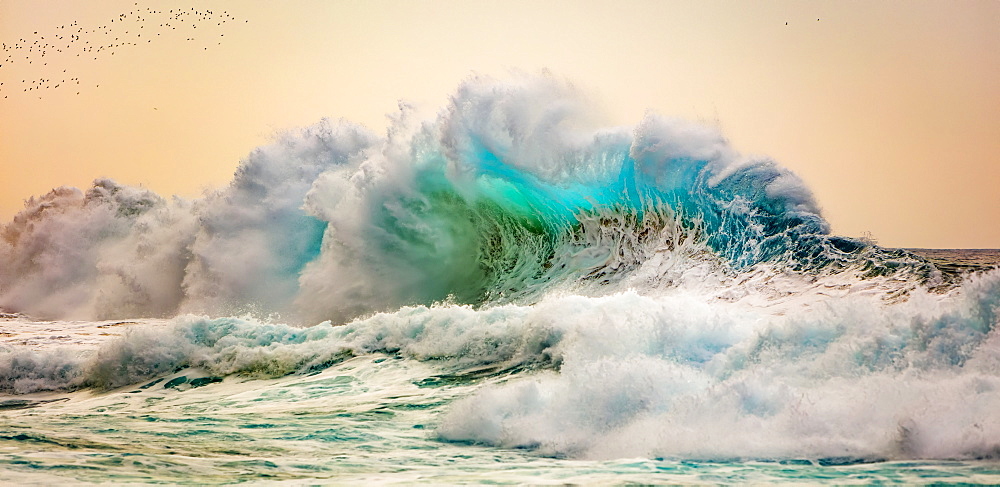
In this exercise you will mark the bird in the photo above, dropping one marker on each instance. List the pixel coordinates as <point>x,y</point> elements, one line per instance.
<point>106,39</point>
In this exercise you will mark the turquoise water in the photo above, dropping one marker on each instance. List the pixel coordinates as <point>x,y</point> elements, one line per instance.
<point>501,293</point>
<point>367,420</point>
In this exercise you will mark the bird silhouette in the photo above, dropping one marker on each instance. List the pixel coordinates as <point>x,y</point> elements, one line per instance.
<point>69,41</point>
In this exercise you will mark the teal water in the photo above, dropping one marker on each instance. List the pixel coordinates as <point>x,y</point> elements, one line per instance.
<point>367,420</point>
<point>501,293</point>
<point>674,391</point>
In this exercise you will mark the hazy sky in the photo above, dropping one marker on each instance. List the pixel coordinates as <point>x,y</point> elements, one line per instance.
<point>890,111</point>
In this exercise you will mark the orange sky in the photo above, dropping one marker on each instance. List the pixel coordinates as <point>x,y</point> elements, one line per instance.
<point>889,110</point>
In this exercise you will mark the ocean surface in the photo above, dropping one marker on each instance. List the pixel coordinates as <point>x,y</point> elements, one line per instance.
<point>504,292</point>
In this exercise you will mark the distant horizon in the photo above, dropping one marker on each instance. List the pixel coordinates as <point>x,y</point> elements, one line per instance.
<point>932,248</point>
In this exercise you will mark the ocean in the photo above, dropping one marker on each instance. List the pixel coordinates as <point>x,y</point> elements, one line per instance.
<point>502,293</point>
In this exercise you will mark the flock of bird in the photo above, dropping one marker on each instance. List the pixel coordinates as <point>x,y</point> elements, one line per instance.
<point>33,55</point>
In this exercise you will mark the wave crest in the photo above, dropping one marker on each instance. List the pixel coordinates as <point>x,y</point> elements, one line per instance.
<point>511,192</point>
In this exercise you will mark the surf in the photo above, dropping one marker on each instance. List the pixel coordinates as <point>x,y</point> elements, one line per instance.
<point>510,192</point>
<point>540,282</point>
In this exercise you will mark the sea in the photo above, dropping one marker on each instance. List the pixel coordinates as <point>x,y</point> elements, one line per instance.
<point>502,292</point>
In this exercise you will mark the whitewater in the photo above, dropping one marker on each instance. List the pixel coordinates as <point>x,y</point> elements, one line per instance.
<point>506,291</point>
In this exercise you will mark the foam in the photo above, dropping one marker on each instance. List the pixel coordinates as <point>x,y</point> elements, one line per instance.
<point>608,292</point>
<point>856,377</point>
<point>493,200</point>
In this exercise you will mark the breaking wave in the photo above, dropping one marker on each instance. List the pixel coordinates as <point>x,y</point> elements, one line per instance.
<point>609,292</point>
<point>509,193</point>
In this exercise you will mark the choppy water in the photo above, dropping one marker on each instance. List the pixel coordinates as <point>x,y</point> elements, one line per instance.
<point>363,421</point>
<point>375,418</point>
<point>503,293</point>
<point>961,261</point>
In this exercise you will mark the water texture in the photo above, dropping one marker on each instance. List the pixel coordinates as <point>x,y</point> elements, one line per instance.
<point>506,292</point>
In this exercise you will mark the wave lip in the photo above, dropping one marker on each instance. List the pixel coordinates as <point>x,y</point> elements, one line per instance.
<point>513,191</point>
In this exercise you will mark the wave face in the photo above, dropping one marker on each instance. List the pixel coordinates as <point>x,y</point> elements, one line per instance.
<point>509,193</point>
<point>548,285</point>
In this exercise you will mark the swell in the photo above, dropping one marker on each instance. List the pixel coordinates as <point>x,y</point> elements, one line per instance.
<point>679,375</point>
<point>511,192</point>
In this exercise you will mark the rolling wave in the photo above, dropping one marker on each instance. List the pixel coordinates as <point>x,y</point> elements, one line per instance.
<point>509,193</point>
<point>577,290</point>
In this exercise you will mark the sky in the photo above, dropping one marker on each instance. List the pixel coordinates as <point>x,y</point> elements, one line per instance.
<point>890,111</point>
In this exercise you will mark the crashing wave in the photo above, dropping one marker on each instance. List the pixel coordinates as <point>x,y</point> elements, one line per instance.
<point>509,193</point>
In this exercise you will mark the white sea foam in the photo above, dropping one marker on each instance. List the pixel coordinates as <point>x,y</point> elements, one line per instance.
<point>488,201</point>
<point>675,376</point>
<point>584,292</point>
<point>624,375</point>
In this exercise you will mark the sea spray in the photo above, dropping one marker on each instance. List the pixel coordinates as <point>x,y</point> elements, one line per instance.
<point>477,205</point>
<point>680,378</point>
<point>507,273</point>
<point>672,375</point>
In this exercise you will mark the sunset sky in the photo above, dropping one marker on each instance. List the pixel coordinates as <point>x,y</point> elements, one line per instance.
<point>890,111</point>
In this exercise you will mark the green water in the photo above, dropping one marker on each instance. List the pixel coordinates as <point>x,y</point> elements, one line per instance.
<point>367,420</point>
